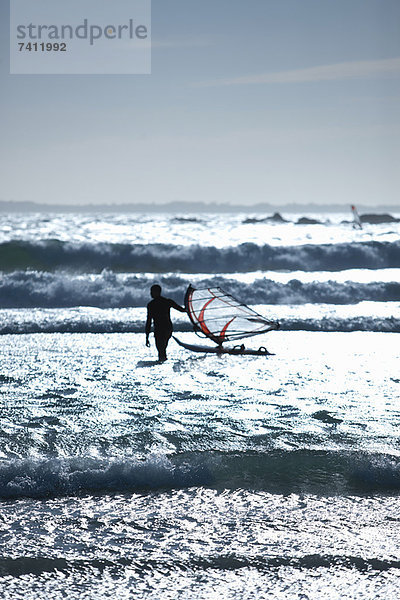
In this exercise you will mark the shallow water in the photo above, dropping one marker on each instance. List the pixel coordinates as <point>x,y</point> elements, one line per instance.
<point>205,476</point>
<point>250,476</point>
<point>197,543</point>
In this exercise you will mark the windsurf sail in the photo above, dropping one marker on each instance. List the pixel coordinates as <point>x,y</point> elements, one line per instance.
<point>222,318</point>
<point>357,221</point>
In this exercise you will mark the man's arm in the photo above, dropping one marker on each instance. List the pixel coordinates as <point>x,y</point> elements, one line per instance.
<point>148,326</point>
<point>177,307</point>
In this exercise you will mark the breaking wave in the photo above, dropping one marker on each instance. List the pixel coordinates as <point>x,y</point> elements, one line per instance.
<point>33,289</point>
<point>52,255</point>
<point>284,472</point>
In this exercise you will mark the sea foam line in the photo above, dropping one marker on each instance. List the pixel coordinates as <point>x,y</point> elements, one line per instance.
<point>123,321</point>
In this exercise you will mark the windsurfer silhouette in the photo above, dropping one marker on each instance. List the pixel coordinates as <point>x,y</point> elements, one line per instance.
<point>158,311</point>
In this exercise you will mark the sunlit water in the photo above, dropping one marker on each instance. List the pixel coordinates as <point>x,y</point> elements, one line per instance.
<point>207,229</point>
<point>203,477</point>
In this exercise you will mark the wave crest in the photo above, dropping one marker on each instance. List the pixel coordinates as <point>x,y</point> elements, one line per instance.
<point>51,255</point>
<point>75,476</point>
<point>302,471</point>
<point>23,289</point>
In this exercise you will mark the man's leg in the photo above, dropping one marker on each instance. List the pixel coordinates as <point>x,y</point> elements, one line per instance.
<point>162,339</point>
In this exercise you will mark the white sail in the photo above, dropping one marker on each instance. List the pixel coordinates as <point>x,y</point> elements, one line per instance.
<point>357,221</point>
<point>221,318</point>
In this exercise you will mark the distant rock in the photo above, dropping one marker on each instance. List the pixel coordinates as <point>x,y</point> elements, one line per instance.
<point>374,219</point>
<point>275,218</point>
<point>187,220</point>
<point>308,221</point>
<point>252,220</point>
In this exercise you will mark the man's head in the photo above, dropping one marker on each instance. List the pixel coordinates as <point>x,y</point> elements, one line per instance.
<point>155,291</point>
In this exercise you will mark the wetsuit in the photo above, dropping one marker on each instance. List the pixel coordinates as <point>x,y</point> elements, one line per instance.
<point>158,310</point>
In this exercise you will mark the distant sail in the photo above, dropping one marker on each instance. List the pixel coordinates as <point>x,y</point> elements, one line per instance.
<point>357,221</point>
<point>222,318</point>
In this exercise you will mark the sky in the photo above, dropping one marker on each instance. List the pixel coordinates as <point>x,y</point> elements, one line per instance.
<point>276,101</point>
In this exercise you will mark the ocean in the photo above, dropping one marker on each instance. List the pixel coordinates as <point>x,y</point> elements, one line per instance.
<point>234,477</point>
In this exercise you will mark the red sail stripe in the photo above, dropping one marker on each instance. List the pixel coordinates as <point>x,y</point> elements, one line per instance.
<point>190,305</point>
<point>203,326</point>
<point>223,330</point>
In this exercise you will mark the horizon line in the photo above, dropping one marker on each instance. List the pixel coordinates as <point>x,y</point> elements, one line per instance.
<point>185,205</point>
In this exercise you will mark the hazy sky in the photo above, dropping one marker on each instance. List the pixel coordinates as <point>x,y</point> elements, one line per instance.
<point>258,101</point>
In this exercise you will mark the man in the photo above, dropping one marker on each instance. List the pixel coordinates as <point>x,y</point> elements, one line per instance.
<point>158,310</point>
